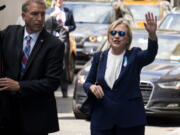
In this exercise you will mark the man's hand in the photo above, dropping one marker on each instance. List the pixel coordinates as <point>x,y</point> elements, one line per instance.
<point>54,14</point>
<point>66,28</point>
<point>151,25</point>
<point>9,84</point>
<point>97,91</point>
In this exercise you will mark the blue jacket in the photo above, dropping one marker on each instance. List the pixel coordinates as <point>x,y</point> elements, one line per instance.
<point>123,104</point>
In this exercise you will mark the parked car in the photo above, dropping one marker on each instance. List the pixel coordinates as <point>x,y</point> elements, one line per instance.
<point>160,81</point>
<point>140,7</point>
<point>176,9</point>
<point>92,20</point>
<point>171,21</point>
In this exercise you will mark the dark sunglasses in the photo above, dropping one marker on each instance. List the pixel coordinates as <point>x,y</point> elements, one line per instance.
<point>120,33</point>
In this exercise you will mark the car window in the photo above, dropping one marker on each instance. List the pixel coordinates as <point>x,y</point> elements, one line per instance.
<point>171,22</point>
<point>168,46</point>
<point>142,9</point>
<point>102,16</point>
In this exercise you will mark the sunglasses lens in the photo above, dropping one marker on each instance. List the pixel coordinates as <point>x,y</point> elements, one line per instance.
<point>113,32</point>
<point>120,33</point>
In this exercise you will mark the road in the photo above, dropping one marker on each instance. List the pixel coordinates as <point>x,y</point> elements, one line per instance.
<point>71,126</point>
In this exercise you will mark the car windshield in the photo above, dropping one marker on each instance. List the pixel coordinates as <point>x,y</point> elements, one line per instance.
<point>91,13</point>
<point>139,11</point>
<point>169,46</point>
<point>171,22</point>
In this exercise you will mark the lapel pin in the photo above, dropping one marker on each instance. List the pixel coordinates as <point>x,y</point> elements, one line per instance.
<point>125,61</point>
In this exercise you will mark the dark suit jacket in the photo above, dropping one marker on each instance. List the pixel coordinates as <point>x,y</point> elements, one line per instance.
<point>122,105</point>
<point>35,101</point>
<point>69,18</point>
<point>52,25</point>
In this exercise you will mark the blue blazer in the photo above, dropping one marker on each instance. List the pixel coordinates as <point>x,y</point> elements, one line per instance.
<point>123,104</point>
<point>70,23</point>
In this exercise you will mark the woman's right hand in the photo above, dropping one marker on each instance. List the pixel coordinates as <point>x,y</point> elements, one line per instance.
<point>97,91</point>
<point>151,25</point>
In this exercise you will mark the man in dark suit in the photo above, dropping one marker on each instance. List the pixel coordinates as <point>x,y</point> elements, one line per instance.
<point>64,17</point>
<point>2,96</point>
<point>33,65</point>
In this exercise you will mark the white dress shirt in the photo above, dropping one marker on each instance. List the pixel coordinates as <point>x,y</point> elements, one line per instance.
<point>113,68</point>
<point>33,36</point>
<point>61,15</point>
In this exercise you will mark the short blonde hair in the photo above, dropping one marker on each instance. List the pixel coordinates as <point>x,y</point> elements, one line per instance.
<point>126,23</point>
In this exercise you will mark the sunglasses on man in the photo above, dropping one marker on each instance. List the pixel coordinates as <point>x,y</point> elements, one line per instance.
<point>120,33</point>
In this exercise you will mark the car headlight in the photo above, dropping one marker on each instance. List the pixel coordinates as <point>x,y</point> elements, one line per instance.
<point>95,38</point>
<point>170,85</point>
<point>99,38</point>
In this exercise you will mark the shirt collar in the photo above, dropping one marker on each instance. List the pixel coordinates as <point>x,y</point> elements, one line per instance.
<point>58,8</point>
<point>119,55</point>
<point>34,36</point>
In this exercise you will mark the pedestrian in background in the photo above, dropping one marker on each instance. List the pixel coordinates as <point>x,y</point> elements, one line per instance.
<point>33,65</point>
<point>119,108</point>
<point>65,18</point>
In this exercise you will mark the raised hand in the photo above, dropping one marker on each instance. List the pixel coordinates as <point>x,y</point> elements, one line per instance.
<point>151,25</point>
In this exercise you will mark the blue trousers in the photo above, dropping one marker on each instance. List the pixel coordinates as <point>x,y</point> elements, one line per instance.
<point>139,130</point>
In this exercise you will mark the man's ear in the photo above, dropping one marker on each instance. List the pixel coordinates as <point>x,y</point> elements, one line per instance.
<point>23,15</point>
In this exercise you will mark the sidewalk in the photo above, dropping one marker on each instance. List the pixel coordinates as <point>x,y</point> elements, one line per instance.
<point>175,132</point>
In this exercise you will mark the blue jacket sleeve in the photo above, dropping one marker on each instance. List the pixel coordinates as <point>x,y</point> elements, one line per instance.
<point>91,78</point>
<point>147,56</point>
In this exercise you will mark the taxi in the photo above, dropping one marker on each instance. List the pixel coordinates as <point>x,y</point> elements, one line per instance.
<point>140,7</point>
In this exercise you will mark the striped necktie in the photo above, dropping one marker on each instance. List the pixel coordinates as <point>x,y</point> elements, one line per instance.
<point>26,51</point>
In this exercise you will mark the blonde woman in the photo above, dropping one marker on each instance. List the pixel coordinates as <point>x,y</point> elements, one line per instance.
<point>118,108</point>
